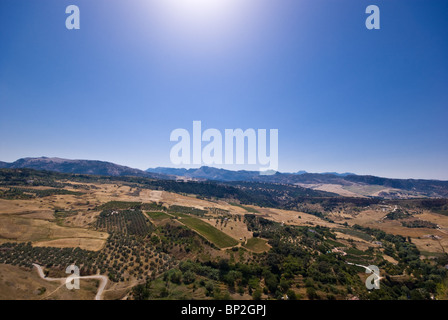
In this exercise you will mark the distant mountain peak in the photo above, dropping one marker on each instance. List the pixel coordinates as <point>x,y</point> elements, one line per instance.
<point>340,174</point>
<point>94,167</point>
<point>385,187</point>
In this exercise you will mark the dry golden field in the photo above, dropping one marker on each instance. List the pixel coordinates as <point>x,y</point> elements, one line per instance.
<point>20,284</point>
<point>68,221</point>
<point>34,220</point>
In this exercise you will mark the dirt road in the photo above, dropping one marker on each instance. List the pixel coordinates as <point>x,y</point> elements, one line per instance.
<point>103,280</point>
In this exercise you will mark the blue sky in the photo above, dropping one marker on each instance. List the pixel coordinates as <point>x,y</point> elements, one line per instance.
<point>343,98</point>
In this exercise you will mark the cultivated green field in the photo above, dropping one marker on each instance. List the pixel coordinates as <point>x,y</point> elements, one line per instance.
<point>257,245</point>
<point>158,215</point>
<point>212,234</point>
<point>355,233</point>
<point>248,209</point>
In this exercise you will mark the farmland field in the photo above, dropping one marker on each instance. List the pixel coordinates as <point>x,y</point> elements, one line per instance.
<point>167,245</point>
<point>158,215</point>
<point>210,233</point>
<point>257,245</point>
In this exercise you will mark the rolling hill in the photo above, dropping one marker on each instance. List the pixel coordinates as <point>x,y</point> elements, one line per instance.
<point>345,184</point>
<point>92,167</point>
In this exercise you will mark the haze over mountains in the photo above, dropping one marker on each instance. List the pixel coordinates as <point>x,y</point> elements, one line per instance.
<point>210,173</point>
<point>345,184</point>
<point>93,167</point>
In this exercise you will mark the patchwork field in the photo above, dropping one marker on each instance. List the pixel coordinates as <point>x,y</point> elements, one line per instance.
<point>135,236</point>
<point>35,221</point>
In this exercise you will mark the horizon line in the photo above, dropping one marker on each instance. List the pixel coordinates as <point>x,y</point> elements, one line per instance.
<point>220,168</point>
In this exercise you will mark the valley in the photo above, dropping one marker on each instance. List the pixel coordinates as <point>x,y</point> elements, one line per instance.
<point>156,239</point>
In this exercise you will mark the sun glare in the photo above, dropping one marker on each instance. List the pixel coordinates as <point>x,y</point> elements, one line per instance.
<point>199,14</point>
<point>202,9</point>
<point>200,25</point>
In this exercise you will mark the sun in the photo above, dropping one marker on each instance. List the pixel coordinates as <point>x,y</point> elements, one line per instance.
<point>199,24</point>
<point>200,13</point>
<point>203,9</point>
<point>206,29</point>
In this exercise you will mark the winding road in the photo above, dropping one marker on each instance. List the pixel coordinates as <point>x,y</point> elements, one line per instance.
<point>103,280</point>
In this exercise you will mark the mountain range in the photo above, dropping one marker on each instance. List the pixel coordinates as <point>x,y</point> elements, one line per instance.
<point>210,173</point>
<point>93,167</point>
<point>344,184</point>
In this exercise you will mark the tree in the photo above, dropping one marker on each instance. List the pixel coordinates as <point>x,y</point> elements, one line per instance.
<point>188,277</point>
<point>291,294</point>
<point>271,281</point>
<point>312,294</point>
<point>257,294</point>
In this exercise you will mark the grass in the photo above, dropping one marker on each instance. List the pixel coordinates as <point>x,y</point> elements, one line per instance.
<point>60,216</point>
<point>257,245</point>
<point>365,261</point>
<point>356,233</point>
<point>432,254</point>
<point>117,205</point>
<point>358,256</point>
<point>162,290</point>
<point>14,228</point>
<point>29,286</point>
<point>212,234</point>
<point>443,212</point>
<point>248,209</point>
<point>335,243</point>
<point>158,215</point>
<point>355,252</point>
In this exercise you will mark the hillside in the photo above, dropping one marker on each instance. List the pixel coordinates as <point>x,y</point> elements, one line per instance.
<point>344,184</point>
<point>168,239</point>
<point>92,167</point>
